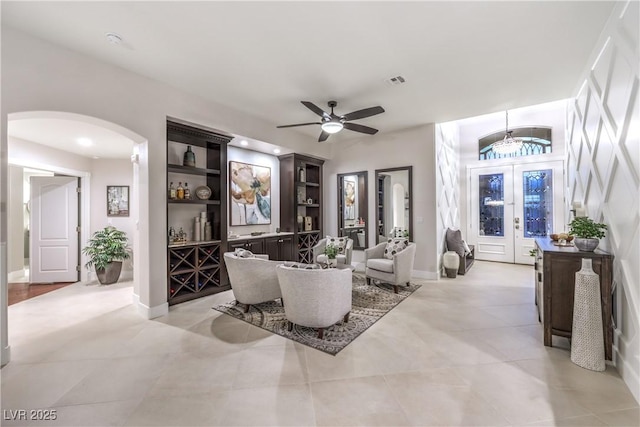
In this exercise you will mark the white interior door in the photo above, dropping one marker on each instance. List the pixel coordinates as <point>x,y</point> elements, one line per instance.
<point>511,206</point>
<point>492,213</point>
<point>54,237</point>
<point>538,197</point>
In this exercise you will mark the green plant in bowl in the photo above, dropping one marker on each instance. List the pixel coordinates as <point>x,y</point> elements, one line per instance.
<point>106,250</point>
<point>331,251</point>
<point>587,233</point>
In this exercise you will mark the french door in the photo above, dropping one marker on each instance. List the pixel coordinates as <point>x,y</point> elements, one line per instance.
<point>511,206</point>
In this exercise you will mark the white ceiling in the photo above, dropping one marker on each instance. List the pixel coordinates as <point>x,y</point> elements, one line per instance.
<point>460,59</point>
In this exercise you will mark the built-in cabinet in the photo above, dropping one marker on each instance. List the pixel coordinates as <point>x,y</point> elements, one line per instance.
<point>301,202</point>
<point>279,246</point>
<point>194,265</point>
<point>555,271</point>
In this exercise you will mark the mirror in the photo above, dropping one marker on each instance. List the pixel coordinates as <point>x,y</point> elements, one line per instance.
<point>352,208</point>
<point>394,217</point>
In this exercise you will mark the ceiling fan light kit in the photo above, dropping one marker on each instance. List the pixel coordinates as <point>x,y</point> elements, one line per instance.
<point>332,123</point>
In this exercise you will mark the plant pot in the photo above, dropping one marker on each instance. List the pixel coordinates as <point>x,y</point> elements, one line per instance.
<point>586,245</point>
<point>111,274</point>
<point>332,262</point>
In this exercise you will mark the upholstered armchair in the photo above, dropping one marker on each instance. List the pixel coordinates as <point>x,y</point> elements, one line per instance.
<point>394,271</point>
<point>253,280</point>
<point>344,258</point>
<point>316,298</point>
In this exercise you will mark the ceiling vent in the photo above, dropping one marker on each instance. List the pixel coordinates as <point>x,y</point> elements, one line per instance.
<point>397,80</point>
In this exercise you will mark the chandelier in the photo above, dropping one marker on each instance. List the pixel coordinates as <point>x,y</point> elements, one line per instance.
<point>509,144</point>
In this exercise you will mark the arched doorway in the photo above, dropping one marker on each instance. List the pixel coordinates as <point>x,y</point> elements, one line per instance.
<point>50,158</point>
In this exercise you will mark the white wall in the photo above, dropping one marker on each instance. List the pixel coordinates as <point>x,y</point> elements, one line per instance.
<point>413,147</point>
<point>447,183</point>
<point>38,156</point>
<point>111,172</point>
<point>603,167</point>
<point>15,241</point>
<point>47,77</point>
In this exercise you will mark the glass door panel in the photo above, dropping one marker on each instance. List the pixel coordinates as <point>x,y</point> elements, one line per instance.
<point>537,190</point>
<point>491,202</point>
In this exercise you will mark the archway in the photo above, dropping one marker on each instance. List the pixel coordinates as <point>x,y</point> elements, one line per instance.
<point>138,199</point>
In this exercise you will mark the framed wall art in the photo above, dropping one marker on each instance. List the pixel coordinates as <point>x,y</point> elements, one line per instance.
<point>117,200</point>
<point>249,194</point>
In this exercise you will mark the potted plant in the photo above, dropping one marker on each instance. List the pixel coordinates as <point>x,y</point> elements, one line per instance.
<point>331,251</point>
<point>587,233</point>
<point>106,250</point>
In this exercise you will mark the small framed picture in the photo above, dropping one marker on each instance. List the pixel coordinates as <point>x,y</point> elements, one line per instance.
<point>117,200</point>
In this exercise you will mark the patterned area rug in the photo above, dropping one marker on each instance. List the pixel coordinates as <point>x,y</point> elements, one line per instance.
<point>369,304</point>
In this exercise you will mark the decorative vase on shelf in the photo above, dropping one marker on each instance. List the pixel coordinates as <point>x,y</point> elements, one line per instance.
<point>301,175</point>
<point>189,158</point>
<point>587,337</point>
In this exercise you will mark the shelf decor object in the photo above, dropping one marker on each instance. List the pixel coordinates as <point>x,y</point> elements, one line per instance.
<point>203,192</point>
<point>587,340</point>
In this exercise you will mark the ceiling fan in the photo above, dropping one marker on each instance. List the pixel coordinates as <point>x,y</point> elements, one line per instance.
<point>333,123</point>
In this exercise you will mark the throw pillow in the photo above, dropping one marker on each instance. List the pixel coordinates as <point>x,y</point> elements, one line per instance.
<point>394,246</point>
<point>339,242</point>
<point>301,265</point>
<point>455,242</point>
<point>243,253</point>
<point>467,249</point>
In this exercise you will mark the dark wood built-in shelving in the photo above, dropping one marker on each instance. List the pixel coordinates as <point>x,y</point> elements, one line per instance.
<point>195,268</point>
<point>294,193</point>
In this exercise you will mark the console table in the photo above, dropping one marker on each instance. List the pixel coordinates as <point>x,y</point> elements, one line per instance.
<point>555,270</point>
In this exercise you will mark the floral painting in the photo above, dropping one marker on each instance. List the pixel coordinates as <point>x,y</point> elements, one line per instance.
<point>249,194</point>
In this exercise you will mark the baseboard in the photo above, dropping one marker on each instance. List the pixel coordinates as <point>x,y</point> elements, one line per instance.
<point>150,312</point>
<point>421,274</point>
<point>629,376</point>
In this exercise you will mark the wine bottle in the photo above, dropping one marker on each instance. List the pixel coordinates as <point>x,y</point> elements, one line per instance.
<point>187,192</point>
<point>172,191</point>
<point>180,191</point>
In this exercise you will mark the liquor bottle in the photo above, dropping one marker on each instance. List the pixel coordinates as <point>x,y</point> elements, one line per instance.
<point>189,158</point>
<point>180,191</point>
<point>187,192</point>
<point>172,191</point>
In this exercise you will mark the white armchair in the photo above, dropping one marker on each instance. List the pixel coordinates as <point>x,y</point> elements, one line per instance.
<point>320,258</point>
<point>394,271</point>
<point>253,280</point>
<point>315,298</point>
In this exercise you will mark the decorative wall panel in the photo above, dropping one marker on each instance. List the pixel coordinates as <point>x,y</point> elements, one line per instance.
<point>603,161</point>
<point>447,182</point>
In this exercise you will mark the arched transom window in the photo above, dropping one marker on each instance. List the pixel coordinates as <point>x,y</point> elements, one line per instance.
<point>535,140</point>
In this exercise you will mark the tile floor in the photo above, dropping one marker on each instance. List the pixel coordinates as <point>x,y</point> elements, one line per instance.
<point>457,352</point>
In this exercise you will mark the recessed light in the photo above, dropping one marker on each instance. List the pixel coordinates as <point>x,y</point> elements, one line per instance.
<point>85,142</point>
<point>244,143</point>
<point>95,157</point>
<point>276,150</point>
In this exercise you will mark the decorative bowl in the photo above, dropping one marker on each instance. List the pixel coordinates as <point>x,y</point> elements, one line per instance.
<point>556,236</point>
<point>203,192</point>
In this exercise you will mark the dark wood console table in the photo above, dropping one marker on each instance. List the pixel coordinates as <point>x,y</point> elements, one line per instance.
<point>555,269</point>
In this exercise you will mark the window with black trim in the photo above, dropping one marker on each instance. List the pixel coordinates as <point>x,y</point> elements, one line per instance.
<point>535,140</point>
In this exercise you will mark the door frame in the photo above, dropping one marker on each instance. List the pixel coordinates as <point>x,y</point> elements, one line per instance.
<point>516,161</point>
<point>85,205</point>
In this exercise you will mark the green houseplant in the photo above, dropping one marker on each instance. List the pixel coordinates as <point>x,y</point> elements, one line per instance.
<point>331,251</point>
<point>106,250</point>
<point>587,233</point>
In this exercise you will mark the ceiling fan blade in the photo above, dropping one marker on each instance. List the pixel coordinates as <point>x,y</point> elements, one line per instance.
<point>323,136</point>
<point>360,128</point>
<point>313,107</point>
<point>361,114</point>
<point>299,124</point>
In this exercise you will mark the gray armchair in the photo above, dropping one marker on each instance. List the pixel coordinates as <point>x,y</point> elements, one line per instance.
<point>315,298</point>
<point>320,258</point>
<point>253,280</point>
<point>394,271</point>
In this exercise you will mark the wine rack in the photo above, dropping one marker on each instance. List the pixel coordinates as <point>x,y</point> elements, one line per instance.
<point>193,271</point>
